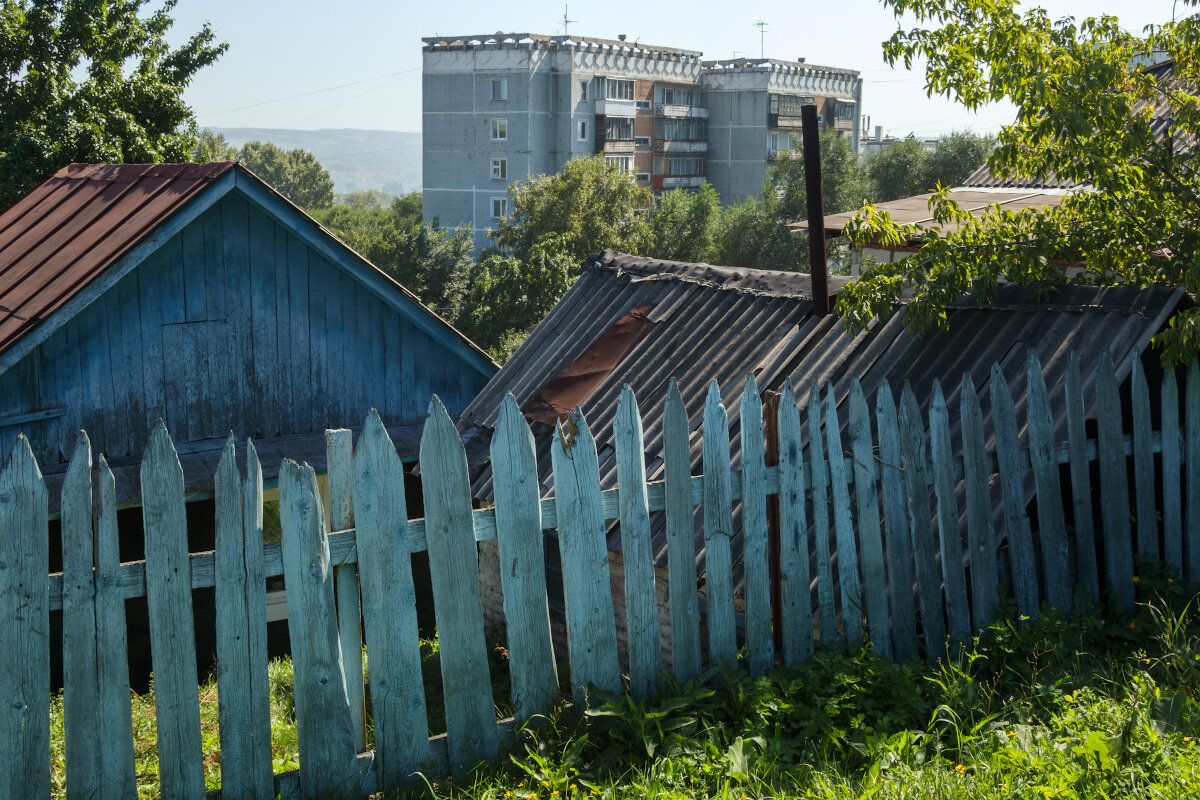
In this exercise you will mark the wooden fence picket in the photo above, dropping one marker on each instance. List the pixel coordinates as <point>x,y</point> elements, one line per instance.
<point>243,706</point>
<point>1052,525</point>
<point>454,569</point>
<point>256,613</point>
<point>958,618</point>
<point>718,530</point>
<point>641,597</point>
<point>1081,482</point>
<point>795,591</point>
<point>1023,565</point>
<point>522,565</point>
<point>866,495</point>
<point>1191,533</point>
<point>981,537</point>
<point>390,608</point>
<point>818,468</point>
<point>172,630</point>
<point>323,723</point>
<point>115,716</point>
<point>80,680</point>
<point>1172,468</point>
<point>920,526</point>
<point>1143,464</point>
<point>847,549</point>
<point>591,630</point>
<point>681,542</point>
<point>1114,486</point>
<point>339,458</point>
<point>759,640</point>
<point>897,542</point>
<point>24,645</point>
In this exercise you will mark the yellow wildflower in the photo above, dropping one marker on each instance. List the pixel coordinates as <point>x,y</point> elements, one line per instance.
<point>960,769</point>
<point>1132,625</point>
<point>1012,734</point>
<point>1135,578</point>
<point>1187,739</point>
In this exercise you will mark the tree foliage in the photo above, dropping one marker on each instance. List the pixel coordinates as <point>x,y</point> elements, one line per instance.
<point>845,182</point>
<point>684,224</point>
<point>958,154</point>
<point>295,174</point>
<point>94,81</point>
<point>1085,113</point>
<point>899,170</point>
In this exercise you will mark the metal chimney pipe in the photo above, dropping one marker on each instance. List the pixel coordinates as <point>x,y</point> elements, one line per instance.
<point>819,267</point>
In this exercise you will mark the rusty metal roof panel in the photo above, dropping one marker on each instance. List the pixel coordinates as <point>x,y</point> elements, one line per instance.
<point>69,230</point>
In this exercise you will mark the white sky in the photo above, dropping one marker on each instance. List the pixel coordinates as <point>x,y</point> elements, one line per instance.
<point>279,49</point>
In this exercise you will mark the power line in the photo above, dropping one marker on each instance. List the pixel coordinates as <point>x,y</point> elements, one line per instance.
<point>308,94</point>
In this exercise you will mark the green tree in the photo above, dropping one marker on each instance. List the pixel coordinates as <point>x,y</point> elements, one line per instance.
<point>366,198</point>
<point>754,234</point>
<point>685,224</point>
<point>295,174</point>
<point>845,183</point>
<point>1086,112</point>
<point>587,206</point>
<point>212,146</point>
<point>93,81</point>
<point>958,155</point>
<point>899,170</point>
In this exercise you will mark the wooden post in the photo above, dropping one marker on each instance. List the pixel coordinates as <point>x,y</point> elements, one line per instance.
<point>771,430</point>
<point>816,210</point>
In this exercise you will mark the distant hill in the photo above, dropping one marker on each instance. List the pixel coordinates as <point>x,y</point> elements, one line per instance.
<point>357,159</point>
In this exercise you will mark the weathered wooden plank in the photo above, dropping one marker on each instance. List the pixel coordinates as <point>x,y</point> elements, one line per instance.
<point>681,542</point>
<point>795,583</point>
<point>1172,468</point>
<point>981,537</point>
<point>847,548</point>
<point>1143,464</point>
<point>80,687</point>
<point>759,640</point>
<point>1191,550</point>
<point>591,630</point>
<point>222,387</point>
<point>235,244</point>
<point>284,382</point>
<point>172,631</point>
<point>299,338</point>
<point>958,618</point>
<point>1081,482</point>
<point>454,570</point>
<point>339,454</point>
<point>1114,487</point>
<point>115,717</point>
<point>870,537</point>
<point>323,727</point>
<point>531,663</point>
<point>718,529</point>
<point>920,526</point>
<point>24,645</point>
<point>389,608</point>
<point>1052,525</point>
<point>1020,537</point>
<point>256,613</point>
<point>263,393</point>
<point>897,542</point>
<point>641,597</point>
<point>819,470</point>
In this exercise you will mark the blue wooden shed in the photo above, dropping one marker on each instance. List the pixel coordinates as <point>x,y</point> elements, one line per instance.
<point>197,294</point>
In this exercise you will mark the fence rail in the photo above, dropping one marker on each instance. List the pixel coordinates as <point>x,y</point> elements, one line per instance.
<point>894,528</point>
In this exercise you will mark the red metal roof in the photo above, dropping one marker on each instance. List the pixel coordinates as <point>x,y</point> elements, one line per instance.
<point>66,232</point>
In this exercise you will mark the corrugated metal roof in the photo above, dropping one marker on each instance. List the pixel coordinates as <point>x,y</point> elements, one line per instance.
<point>66,232</point>
<point>712,329</point>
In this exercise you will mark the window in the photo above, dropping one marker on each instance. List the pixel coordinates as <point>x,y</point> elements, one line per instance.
<point>583,131</point>
<point>643,105</point>
<point>499,129</point>
<point>499,207</point>
<point>583,90</point>
<point>685,167</point>
<point>643,177</point>
<point>692,130</point>
<point>499,168</point>
<point>500,89</point>
<point>624,163</point>
<point>618,128</point>
<point>641,141</point>
<point>845,110</point>
<point>618,90</point>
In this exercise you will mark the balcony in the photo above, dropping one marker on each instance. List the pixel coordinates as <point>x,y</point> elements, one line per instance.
<point>786,121</point>
<point>678,181</point>
<point>677,111</point>
<point>618,146</point>
<point>679,146</point>
<point>616,108</point>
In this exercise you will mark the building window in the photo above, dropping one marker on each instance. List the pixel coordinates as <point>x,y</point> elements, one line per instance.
<point>499,129</point>
<point>583,90</point>
<point>624,163</point>
<point>499,207</point>
<point>583,131</point>
<point>618,89</point>
<point>643,177</point>
<point>641,141</point>
<point>500,89</point>
<point>500,168</point>
<point>692,130</point>
<point>685,167</point>
<point>643,105</point>
<point>618,128</point>
<point>845,110</point>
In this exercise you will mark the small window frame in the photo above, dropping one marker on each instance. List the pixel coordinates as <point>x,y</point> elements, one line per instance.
<point>500,84</point>
<point>499,207</point>
<point>499,129</point>
<point>499,169</point>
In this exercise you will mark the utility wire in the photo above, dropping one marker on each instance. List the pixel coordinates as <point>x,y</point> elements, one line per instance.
<point>308,94</point>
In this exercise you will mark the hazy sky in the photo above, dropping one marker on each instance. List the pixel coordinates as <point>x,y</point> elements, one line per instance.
<point>357,63</point>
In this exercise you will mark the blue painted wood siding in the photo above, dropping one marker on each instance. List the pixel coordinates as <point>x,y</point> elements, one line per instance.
<point>234,324</point>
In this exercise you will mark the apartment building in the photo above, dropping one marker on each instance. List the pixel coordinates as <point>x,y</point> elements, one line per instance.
<point>498,108</point>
